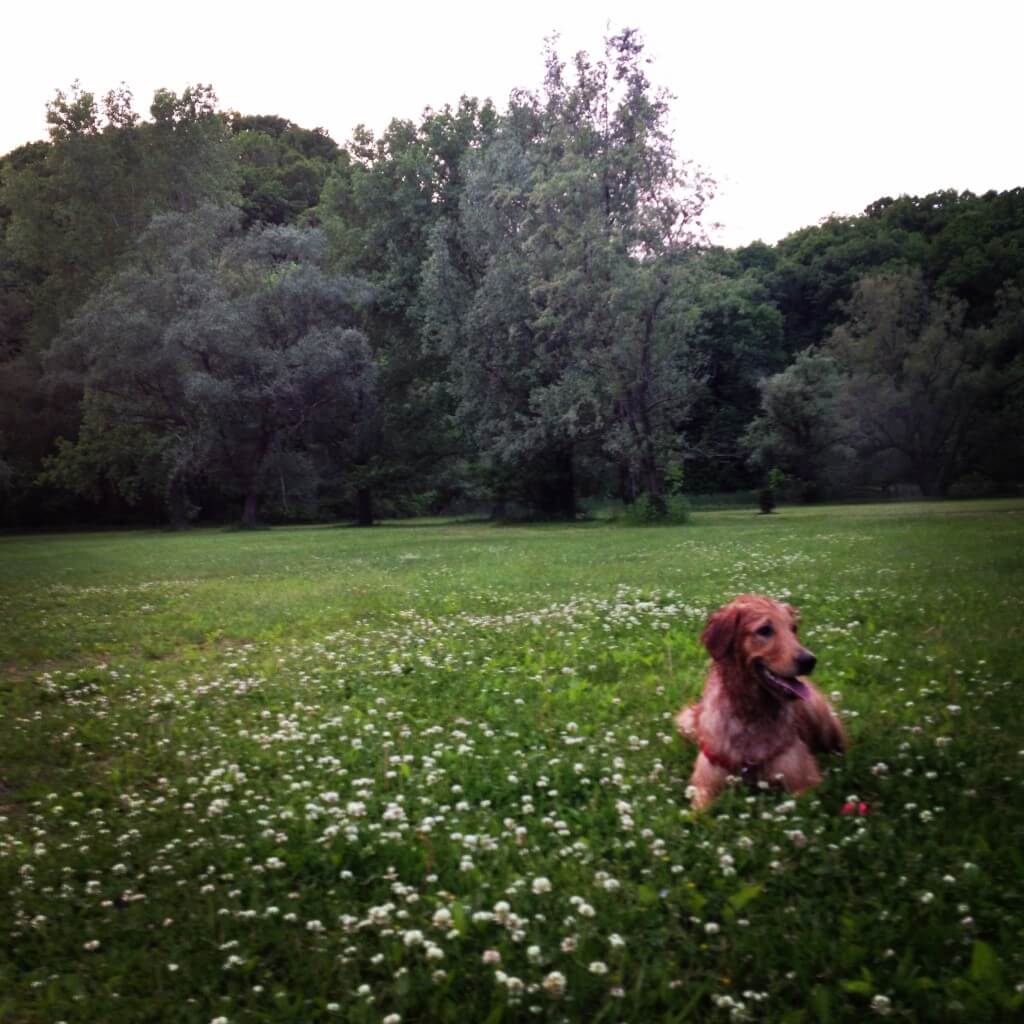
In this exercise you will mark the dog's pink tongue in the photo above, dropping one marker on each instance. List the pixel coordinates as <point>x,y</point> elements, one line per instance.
<point>797,688</point>
<point>793,688</point>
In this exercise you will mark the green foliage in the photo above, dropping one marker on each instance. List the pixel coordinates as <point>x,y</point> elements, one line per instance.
<point>379,208</point>
<point>967,245</point>
<point>767,497</point>
<point>546,322</point>
<point>803,425</point>
<point>281,167</point>
<point>916,377</point>
<point>649,510</point>
<point>554,297</point>
<point>223,354</point>
<point>646,509</point>
<point>672,507</point>
<point>75,210</point>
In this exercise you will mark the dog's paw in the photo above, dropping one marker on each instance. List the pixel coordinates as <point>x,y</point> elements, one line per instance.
<point>686,722</point>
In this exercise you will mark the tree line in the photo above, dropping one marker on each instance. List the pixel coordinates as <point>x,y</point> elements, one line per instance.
<point>206,315</point>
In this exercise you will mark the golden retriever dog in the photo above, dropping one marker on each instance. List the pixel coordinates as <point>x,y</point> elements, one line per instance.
<point>758,718</point>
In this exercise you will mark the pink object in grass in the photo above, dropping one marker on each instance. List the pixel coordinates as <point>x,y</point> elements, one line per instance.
<point>860,808</point>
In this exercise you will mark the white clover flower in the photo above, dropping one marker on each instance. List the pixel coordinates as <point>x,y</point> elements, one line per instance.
<point>711,928</point>
<point>882,1005</point>
<point>412,938</point>
<point>442,918</point>
<point>598,967</point>
<point>554,984</point>
<point>616,941</point>
<point>541,885</point>
<point>491,956</point>
<point>91,945</point>
<point>392,1018</point>
<point>533,954</point>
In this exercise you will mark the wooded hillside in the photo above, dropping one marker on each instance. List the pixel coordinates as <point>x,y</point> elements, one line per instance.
<point>210,315</point>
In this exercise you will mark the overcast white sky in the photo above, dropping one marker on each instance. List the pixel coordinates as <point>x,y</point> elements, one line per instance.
<point>798,109</point>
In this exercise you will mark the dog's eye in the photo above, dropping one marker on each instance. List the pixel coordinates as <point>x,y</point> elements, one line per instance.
<point>766,630</point>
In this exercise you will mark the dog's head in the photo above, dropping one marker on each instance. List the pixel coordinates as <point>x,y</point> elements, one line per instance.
<point>759,636</point>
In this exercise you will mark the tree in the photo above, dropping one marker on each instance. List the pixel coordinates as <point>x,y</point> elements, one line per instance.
<point>281,167</point>
<point>379,208</point>
<point>730,321</point>
<point>231,355</point>
<point>802,427</point>
<point>919,382</point>
<point>104,174</point>
<point>550,296</point>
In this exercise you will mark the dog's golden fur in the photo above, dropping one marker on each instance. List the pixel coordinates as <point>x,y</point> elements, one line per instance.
<point>758,718</point>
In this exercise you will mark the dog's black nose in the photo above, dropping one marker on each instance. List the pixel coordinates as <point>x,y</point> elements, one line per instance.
<point>805,662</point>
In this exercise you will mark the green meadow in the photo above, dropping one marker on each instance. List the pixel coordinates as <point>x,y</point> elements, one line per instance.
<point>427,772</point>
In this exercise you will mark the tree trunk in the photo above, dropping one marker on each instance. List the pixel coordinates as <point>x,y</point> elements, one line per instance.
<point>649,475</point>
<point>564,486</point>
<point>250,508</point>
<point>499,510</point>
<point>364,506</point>
<point>926,477</point>
<point>627,484</point>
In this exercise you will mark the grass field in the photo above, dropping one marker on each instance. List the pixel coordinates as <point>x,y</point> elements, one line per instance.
<point>427,773</point>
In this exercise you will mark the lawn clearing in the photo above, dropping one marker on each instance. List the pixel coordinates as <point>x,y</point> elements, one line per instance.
<point>427,773</point>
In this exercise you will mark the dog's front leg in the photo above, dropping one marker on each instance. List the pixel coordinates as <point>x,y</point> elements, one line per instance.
<point>795,768</point>
<point>686,722</point>
<point>706,782</point>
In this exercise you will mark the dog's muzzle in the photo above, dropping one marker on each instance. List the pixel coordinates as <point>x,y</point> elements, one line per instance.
<point>785,687</point>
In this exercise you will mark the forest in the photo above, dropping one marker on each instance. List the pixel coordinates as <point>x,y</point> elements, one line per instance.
<point>209,316</point>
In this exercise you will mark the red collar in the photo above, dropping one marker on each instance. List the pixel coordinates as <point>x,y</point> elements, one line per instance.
<point>720,762</point>
<point>732,767</point>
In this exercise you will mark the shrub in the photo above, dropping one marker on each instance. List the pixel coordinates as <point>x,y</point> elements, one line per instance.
<point>766,497</point>
<point>651,509</point>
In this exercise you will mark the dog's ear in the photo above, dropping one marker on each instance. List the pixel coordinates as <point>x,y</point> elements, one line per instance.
<point>794,614</point>
<point>720,633</point>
